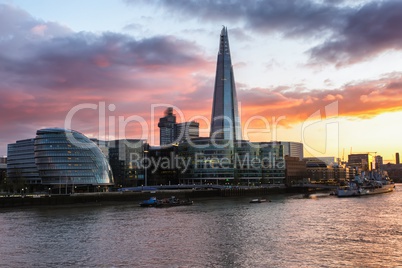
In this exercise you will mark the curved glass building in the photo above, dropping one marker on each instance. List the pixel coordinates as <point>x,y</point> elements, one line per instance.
<point>68,157</point>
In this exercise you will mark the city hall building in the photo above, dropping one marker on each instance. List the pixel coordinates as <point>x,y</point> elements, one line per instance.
<point>58,160</point>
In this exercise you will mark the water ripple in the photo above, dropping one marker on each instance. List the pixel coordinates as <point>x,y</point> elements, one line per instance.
<point>288,232</point>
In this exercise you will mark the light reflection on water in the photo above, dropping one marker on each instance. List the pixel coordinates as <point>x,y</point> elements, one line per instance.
<point>290,231</point>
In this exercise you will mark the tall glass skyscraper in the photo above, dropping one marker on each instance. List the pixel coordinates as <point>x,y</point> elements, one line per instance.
<point>225,121</point>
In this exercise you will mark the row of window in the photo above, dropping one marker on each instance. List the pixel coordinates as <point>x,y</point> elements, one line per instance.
<point>63,153</point>
<point>45,160</point>
<point>65,166</point>
<point>65,175</point>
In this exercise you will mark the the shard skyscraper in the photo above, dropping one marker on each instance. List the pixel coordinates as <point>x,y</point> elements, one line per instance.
<point>225,121</point>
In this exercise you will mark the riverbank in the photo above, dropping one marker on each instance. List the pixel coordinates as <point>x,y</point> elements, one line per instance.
<point>134,197</point>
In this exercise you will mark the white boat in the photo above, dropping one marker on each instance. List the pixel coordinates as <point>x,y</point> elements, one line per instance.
<point>259,200</point>
<point>360,187</point>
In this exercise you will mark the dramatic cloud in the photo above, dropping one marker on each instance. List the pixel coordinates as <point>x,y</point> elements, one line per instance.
<point>47,69</point>
<point>348,34</point>
<point>369,31</point>
<point>292,18</point>
<point>362,100</point>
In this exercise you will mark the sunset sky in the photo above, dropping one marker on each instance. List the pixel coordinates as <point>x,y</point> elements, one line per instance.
<point>327,73</point>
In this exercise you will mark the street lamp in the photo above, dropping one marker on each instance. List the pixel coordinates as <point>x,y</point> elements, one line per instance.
<point>145,166</point>
<point>176,168</point>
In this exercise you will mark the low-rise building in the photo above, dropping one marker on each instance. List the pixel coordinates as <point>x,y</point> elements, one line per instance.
<point>296,170</point>
<point>394,171</point>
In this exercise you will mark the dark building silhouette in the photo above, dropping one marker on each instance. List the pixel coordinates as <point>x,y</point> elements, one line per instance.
<point>397,159</point>
<point>174,133</point>
<point>378,161</point>
<point>167,127</point>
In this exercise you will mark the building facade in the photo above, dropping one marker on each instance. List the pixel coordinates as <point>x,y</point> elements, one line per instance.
<point>291,148</point>
<point>21,166</point>
<point>394,171</point>
<point>126,158</point>
<point>225,121</point>
<point>58,160</point>
<point>167,127</point>
<point>4,187</point>
<point>103,146</point>
<point>67,157</point>
<point>186,131</point>
<point>232,163</point>
<point>208,161</point>
<point>362,162</point>
<point>273,166</point>
<point>296,170</point>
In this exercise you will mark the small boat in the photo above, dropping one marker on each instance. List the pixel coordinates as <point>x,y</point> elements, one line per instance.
<point>173,202</point>
<point>152,202</point>
<point>259,200</point>
<point>165,202</point>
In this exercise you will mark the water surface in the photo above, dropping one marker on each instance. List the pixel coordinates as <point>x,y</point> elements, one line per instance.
<point>290,231</point>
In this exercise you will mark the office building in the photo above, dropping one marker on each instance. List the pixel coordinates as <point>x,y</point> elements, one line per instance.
<point>3,177</point>
<point>174,133</point>
<point>126,158</point>
<point>291,148</point>
<point>273,166</point>
<point>378,161</point>
<point>3,174</point>
<point>69,157</point>
<point>63,160</point>
<point>296,170</point>
<point>21,165</point>
<point>206,163</point>
<point>223,162</point>
<point>397,158</point>
<point>167,127</point>
<point>225,121</point>
<point>186,131</point>
<point>361,162</point>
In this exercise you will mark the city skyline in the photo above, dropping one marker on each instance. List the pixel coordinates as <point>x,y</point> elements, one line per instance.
<point>295,64</point>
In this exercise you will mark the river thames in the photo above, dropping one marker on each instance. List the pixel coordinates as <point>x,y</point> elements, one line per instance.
<point>290,231</point>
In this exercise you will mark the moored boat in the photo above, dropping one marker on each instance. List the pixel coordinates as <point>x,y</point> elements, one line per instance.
<point>173,202</point>
<point>152,202</point>
<point>259,200</point>
<point>165,202</point>
<point>360,187</point>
